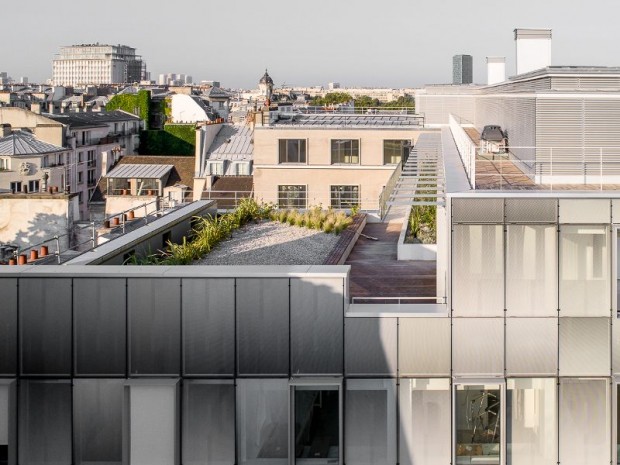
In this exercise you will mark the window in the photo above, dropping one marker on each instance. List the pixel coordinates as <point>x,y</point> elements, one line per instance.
<point>290,196</point>
<point>33,186</point>
<point>292,150</point>
<point>345,151</point>
<point>345,196</point>
<point>4,163</point>
<point>16,186</point>
<point>80,157</point>
<point>395,151</point>
<point>80,177</point>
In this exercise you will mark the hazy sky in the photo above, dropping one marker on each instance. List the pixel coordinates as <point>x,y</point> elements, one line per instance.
<point>387,43</point>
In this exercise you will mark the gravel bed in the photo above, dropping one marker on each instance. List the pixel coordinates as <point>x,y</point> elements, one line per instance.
<point>272,243</point>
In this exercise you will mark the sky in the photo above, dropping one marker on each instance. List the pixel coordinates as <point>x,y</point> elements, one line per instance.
<point>387,43</point>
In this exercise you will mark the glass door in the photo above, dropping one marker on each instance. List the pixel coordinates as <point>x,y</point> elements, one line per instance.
<point>478,422</point>
<point>316,423</point>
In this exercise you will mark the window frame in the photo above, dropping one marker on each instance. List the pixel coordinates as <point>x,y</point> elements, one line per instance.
<point>288,205</point>
<point>348,203</point>
<point>403,142</point>
<point>334,143</point>
<point>287,161</point>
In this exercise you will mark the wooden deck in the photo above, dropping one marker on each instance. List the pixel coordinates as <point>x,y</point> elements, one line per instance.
<point>375,272</point>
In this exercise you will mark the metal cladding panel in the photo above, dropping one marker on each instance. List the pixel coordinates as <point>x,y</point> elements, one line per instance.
<point>478,211</point>
<point>584,421</point>
<point>45,422</point>
<point>531,270</point>
<point>478,346</point>
<point>98,421</point>
<point>8,326</point>
<point>154,307</point>
<point>531,346</point>
<point>317,318</point>
<point>370,346</point>
<point>262,421</point>
<point>263,326</point>
<point>585,271</point>
<point>585,211</point>
<point>45,326</point>
<point>478,270</point>
<point>370,422</point>
<point>209,423</point>
<point>424,346</point>
<point>615,345</point>
<point>153,424</point>
<point>99,313</point>
<point>585,347</point>
<point>425,412</point>
<point>208,310</point>
<point>531,211</point>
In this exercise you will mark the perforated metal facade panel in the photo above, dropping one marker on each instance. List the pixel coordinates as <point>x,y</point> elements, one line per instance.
<point>585,211</point>
<point>370,346</point>
<point>478,211</point>
<point>585,347</point>
<point>424,346</point>
<point>531,210</point>
<point>531,346</point>
<point>478,346</point>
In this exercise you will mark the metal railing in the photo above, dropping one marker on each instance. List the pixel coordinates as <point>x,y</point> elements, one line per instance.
<point>466,147</point>
<point>399,300</point>
<point>388,189</point>
<point>350,110</point>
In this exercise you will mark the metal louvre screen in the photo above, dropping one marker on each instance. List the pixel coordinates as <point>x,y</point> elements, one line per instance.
<point>584,271</point>
<point>99,314</point>
<point>208,326</point>
<point>531,412</point>
<point>370,346</point>
<point>531,270</point>
<point>585,346</point>
<point>424,346</point>
<point>98,421</point>
<point>316,326</point>
<point>154,307</point>
<point>478,346</point>
<point>532,346</point>
<point>531,210</point>
<point>8,326</point>
<point>585,429</point>
<point>478,270</point>
<point>209,422</point>
<point>370,422</point>
<point>425,421</point>
<point>263,326</point>
<point>45,326</point>
<point>478,211</point>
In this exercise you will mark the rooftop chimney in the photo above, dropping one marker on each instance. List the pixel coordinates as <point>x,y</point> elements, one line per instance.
<point>533,49</point>
<point>496,70</point>
<point>6,130</point>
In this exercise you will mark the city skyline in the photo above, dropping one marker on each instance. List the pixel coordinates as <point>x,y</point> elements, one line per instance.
<point>318,42</point>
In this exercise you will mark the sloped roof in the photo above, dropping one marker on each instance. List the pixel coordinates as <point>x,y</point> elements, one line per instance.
<point>139,171</point>
<point>233,142</point>
<point>25,143</point>
<point>216,92</point>
<point>90,119</point>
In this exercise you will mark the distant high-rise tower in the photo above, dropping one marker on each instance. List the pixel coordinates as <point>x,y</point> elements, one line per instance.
<point>462,69</point>
<point>97,64</point>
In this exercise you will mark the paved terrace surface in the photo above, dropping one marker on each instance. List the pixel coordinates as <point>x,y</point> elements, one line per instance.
<point>375,272</point>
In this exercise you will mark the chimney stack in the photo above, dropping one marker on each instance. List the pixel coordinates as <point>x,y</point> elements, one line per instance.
<point>496,70</point>
<point>6,130</point>
<point>533,49</point>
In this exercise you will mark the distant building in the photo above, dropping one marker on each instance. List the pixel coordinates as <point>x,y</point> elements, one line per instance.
<point>462,69</point>
<point>333,85</point>
<point>265,86</point>
<point>97,64</point>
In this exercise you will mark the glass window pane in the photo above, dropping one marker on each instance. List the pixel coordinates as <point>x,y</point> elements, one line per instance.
<point>584,271</point>
<point>344,196</point>
<point>98,421</point>
<point>531,412</point>
<point>425,421</point>
<point>45,422</point>
<point>8,326</point>
<point>209,423</point>
<point>478,270</point>
<point>154,319</point>
<point>209,326</point>
<point>394,151</point>
<point>370,346</point>
<point>263,326</point>
<point>531,270</point>
<point>370,422</point>
<point>262,421</point>
<point>585,430</point>
<point>317,424</point>
<point>100,326</point>
<point>317,307</point>
<point>45,326</point>
<point>292,196</point>
<point>478,423</point>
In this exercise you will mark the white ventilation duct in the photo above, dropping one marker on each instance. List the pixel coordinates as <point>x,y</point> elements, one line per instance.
<point>533,49</point>
<point>496,70</point>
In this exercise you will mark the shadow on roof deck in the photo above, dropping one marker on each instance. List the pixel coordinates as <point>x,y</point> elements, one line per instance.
<point>376,273</point>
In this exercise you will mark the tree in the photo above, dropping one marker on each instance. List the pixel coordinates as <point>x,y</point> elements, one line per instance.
<point>405,101</point>
<point>366,101</point>
<point>332,98</point>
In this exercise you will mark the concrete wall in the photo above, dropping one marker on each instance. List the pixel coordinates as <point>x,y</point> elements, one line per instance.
<point>29,219</point>
<point>119,203</point>
<point>186,110</point>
